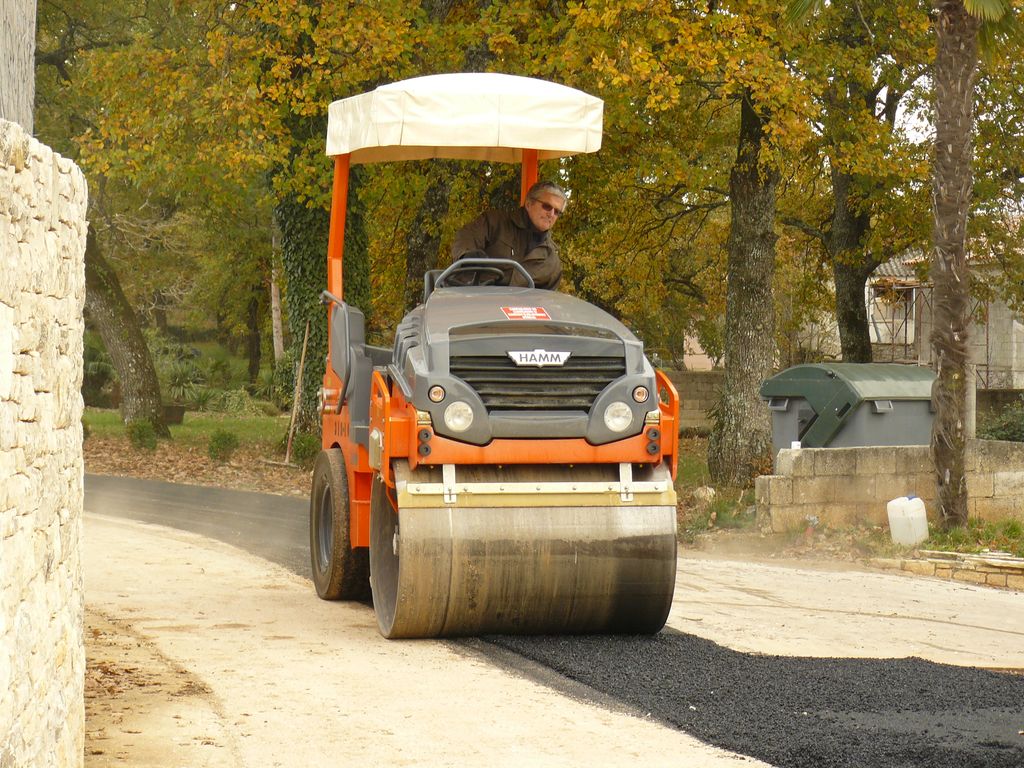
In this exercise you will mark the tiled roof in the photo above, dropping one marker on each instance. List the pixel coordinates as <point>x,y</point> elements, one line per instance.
<point>901,267</point>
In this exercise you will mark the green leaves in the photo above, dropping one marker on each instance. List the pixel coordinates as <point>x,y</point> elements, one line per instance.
<point>194,122</point>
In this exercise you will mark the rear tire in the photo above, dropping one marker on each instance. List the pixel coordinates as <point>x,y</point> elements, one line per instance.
<point>339,571</point>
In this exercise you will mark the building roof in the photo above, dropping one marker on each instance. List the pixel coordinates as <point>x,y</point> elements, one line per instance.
<point>901,268</point>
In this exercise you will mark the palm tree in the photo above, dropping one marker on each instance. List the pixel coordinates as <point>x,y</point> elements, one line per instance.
<point>17,66</point>
<point>958,25</point>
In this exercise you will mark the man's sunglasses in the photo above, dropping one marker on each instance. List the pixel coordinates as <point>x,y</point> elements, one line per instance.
<point>549,208</point>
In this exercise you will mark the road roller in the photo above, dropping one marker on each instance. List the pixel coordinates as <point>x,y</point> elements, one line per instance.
<point>506,466</point>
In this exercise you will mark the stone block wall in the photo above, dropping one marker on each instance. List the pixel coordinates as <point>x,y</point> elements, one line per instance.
<point>840,487</point>
<point>698,391</point>
<point>42,290</point>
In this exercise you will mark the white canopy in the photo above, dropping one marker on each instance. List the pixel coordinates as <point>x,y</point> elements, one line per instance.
<point>478,116</point>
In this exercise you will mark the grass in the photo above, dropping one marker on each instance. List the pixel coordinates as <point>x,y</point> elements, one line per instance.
<point>198,427</point>
<point>731,508</point>
<point>693,464</point>
<point>1002,536</point>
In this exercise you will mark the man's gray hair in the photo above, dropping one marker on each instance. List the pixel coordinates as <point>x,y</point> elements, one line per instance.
<point>546,186</point>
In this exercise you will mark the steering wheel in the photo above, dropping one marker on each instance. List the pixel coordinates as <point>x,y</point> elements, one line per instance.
<point>473,271</point>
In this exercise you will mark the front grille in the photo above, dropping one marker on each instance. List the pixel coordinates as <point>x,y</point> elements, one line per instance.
<point>504,386</point>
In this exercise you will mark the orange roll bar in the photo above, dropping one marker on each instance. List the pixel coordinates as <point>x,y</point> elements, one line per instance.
<point>529,173</point>
<point>336,239</point>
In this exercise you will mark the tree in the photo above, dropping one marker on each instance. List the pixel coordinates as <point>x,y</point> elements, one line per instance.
<point>957,26</point>
<point>683,86</point>
<point>117,324</point>
<point>175,192</point>
<point>741,440</point>
<point>64,36</point>
<point>17,64</point>
<point>863,60</point>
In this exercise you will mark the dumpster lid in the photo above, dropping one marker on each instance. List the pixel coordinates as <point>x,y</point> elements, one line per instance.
<point>861,381</point>
<point>834,391</point>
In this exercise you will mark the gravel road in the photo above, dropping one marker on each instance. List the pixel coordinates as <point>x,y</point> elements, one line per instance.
<point>784,710</point>
<point>806,712</point>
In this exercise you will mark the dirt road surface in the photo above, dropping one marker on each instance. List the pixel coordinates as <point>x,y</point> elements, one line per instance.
<point>228,660</point>
<point>201,654</point>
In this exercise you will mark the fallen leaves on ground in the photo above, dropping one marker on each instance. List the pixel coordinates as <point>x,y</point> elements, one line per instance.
<point>249,469</point>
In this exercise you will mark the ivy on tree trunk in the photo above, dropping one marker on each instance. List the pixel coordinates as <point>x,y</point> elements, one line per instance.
<point>424,240</point>
<point>304,234</point>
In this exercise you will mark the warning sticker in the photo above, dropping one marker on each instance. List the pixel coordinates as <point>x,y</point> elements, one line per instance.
<point>526,313</point>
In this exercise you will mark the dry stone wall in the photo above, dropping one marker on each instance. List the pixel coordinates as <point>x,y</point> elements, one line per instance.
<point>840,487</point>
<point>698,392</point>
<point>42,290</point>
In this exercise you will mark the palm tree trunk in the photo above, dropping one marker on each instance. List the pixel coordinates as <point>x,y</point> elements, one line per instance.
<point>17,64</point>
<point>956,64</point>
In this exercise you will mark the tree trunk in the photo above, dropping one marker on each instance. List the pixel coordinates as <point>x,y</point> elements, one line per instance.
<point>17,61</point>
<point>956,62</point>
<point>424,239</point>
<point>160,311</point>
<point>119,328</point>
<point>253,339</point>
<point>276,323</point>
<point>851,268</point>
<point>741,440</point>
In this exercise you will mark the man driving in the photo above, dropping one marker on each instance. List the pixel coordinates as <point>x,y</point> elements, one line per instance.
<point>524,235</point>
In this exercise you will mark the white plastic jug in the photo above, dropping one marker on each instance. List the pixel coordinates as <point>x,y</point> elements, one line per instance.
<point>908,522</point>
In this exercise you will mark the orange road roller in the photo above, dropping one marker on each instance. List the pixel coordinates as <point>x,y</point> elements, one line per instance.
<point>507,465</point>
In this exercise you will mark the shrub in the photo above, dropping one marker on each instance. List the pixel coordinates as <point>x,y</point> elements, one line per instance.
<point>141,434</point>
<point>202,398</point>
<point>222,445</point>
<point>237,402</point>
<point>1008,424</point>
<point>176,366</point>
<point>217,369</point>
<point>181,380</point>
<point>305,448</point>
<point>284,381</point>
<point>98,373</point>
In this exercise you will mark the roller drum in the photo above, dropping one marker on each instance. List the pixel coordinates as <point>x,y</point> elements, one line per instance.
<point>453,570</point>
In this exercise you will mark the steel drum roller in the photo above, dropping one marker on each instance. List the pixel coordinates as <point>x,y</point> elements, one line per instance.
<point>560,564</point>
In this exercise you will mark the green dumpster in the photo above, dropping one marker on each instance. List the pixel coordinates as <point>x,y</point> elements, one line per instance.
<point>844,405</point>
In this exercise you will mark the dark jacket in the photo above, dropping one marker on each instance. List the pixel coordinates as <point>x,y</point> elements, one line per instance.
<point>503,235</point>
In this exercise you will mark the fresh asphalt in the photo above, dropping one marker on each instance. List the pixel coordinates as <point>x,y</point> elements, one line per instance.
<point>813,712</point>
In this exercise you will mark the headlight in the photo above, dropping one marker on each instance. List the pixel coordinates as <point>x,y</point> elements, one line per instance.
<point>458,416</point>
<point>617,416</point>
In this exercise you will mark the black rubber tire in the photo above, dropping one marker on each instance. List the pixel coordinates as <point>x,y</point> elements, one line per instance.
<point>339,571</point>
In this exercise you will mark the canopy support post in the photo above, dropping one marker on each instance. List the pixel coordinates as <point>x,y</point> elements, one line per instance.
<point>336,238</point>
<point>529,174</point>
